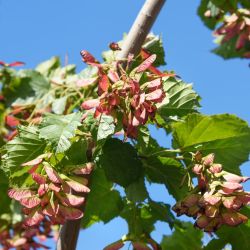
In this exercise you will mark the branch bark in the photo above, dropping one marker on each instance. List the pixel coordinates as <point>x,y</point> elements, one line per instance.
<point>70,230</point>
<point>141,27</point>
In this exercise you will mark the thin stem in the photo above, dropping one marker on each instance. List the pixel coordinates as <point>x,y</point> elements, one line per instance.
<point>167,151</point>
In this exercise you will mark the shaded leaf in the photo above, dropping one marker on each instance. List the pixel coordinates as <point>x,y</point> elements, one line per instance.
<point>76,154</point>
<point>37,81</point>
<point>162,212</point>
<point>211,21</point>
<point>183,238</point>
<point>137,191</point>
<point>101,193</point>
<point>5,200</point>
<point>167,171</point>
<point>120,162</point>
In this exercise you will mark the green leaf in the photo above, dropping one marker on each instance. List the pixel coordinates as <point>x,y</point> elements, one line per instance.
<point>182,99</point>
<point>38,82</point>
<point>205,5</point>
<point>17,89</point>
<point>215,244</point>
<point>226,5</point>
<point>103,202</point>
<point>225,135</point>
<point>183,238</point>
<point>142,217</point>
<point>23,148</point>
<point>59,129</point>
<point>58,106</point>
<point>5,200</point>
<point>76,154</point>
<point>146,145</point>
<point>106,127</point>
<point>153,44</point>
<point>120,162</point>
<point>25,87</point>
<point>136,191</point>
<point>162,212</point>
<point>48,66</point>
<point>245,4</point>
<point>169,172</point>
<point>89,72</point>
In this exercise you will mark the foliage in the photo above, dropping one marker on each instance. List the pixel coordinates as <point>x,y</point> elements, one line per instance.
<point>231,22</point>
<point>74,142</point>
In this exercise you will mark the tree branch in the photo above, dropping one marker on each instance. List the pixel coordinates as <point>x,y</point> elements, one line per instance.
<point>141,27</point>
<point>70,230</point>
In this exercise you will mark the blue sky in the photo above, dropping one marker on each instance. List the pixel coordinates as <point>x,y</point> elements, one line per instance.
<point>33,31</point>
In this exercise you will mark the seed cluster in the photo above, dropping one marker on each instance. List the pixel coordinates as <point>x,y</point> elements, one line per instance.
<point>130,94</point>
<point>53,196</point>
<point>22,237</point>
<point>236,25</point>
<point>217,198</point>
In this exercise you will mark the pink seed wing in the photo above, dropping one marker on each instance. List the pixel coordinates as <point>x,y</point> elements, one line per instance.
<point>86,169</point>
<point>87,57</point>
<point>52,174</point>
<point>135,122</point>
<point>19,242</point>
<point>70,199</point>
<point>11,121</point>
<point>104,83</point>
<point>146,64</point>
<point>78,187</point>
<point>140,246</point>
<point>232,185</point>
<point>30,202</point>
<point>233,218</point>
<point>16,64</point>
<point>34,218</point>
<point>114,246</point>
<point>38,178</point>
<point>155,96</point>
<point>70,213</point>
<point>33,162</point>
<point>42,189</point>
<point>54,187</point>
<point>74,200</point>
<point>85,82</point>
<point>48,210</point>
<point>90,104</point>
<point>153,85</point>
<point>18,194</point>
<point>113,76</point>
